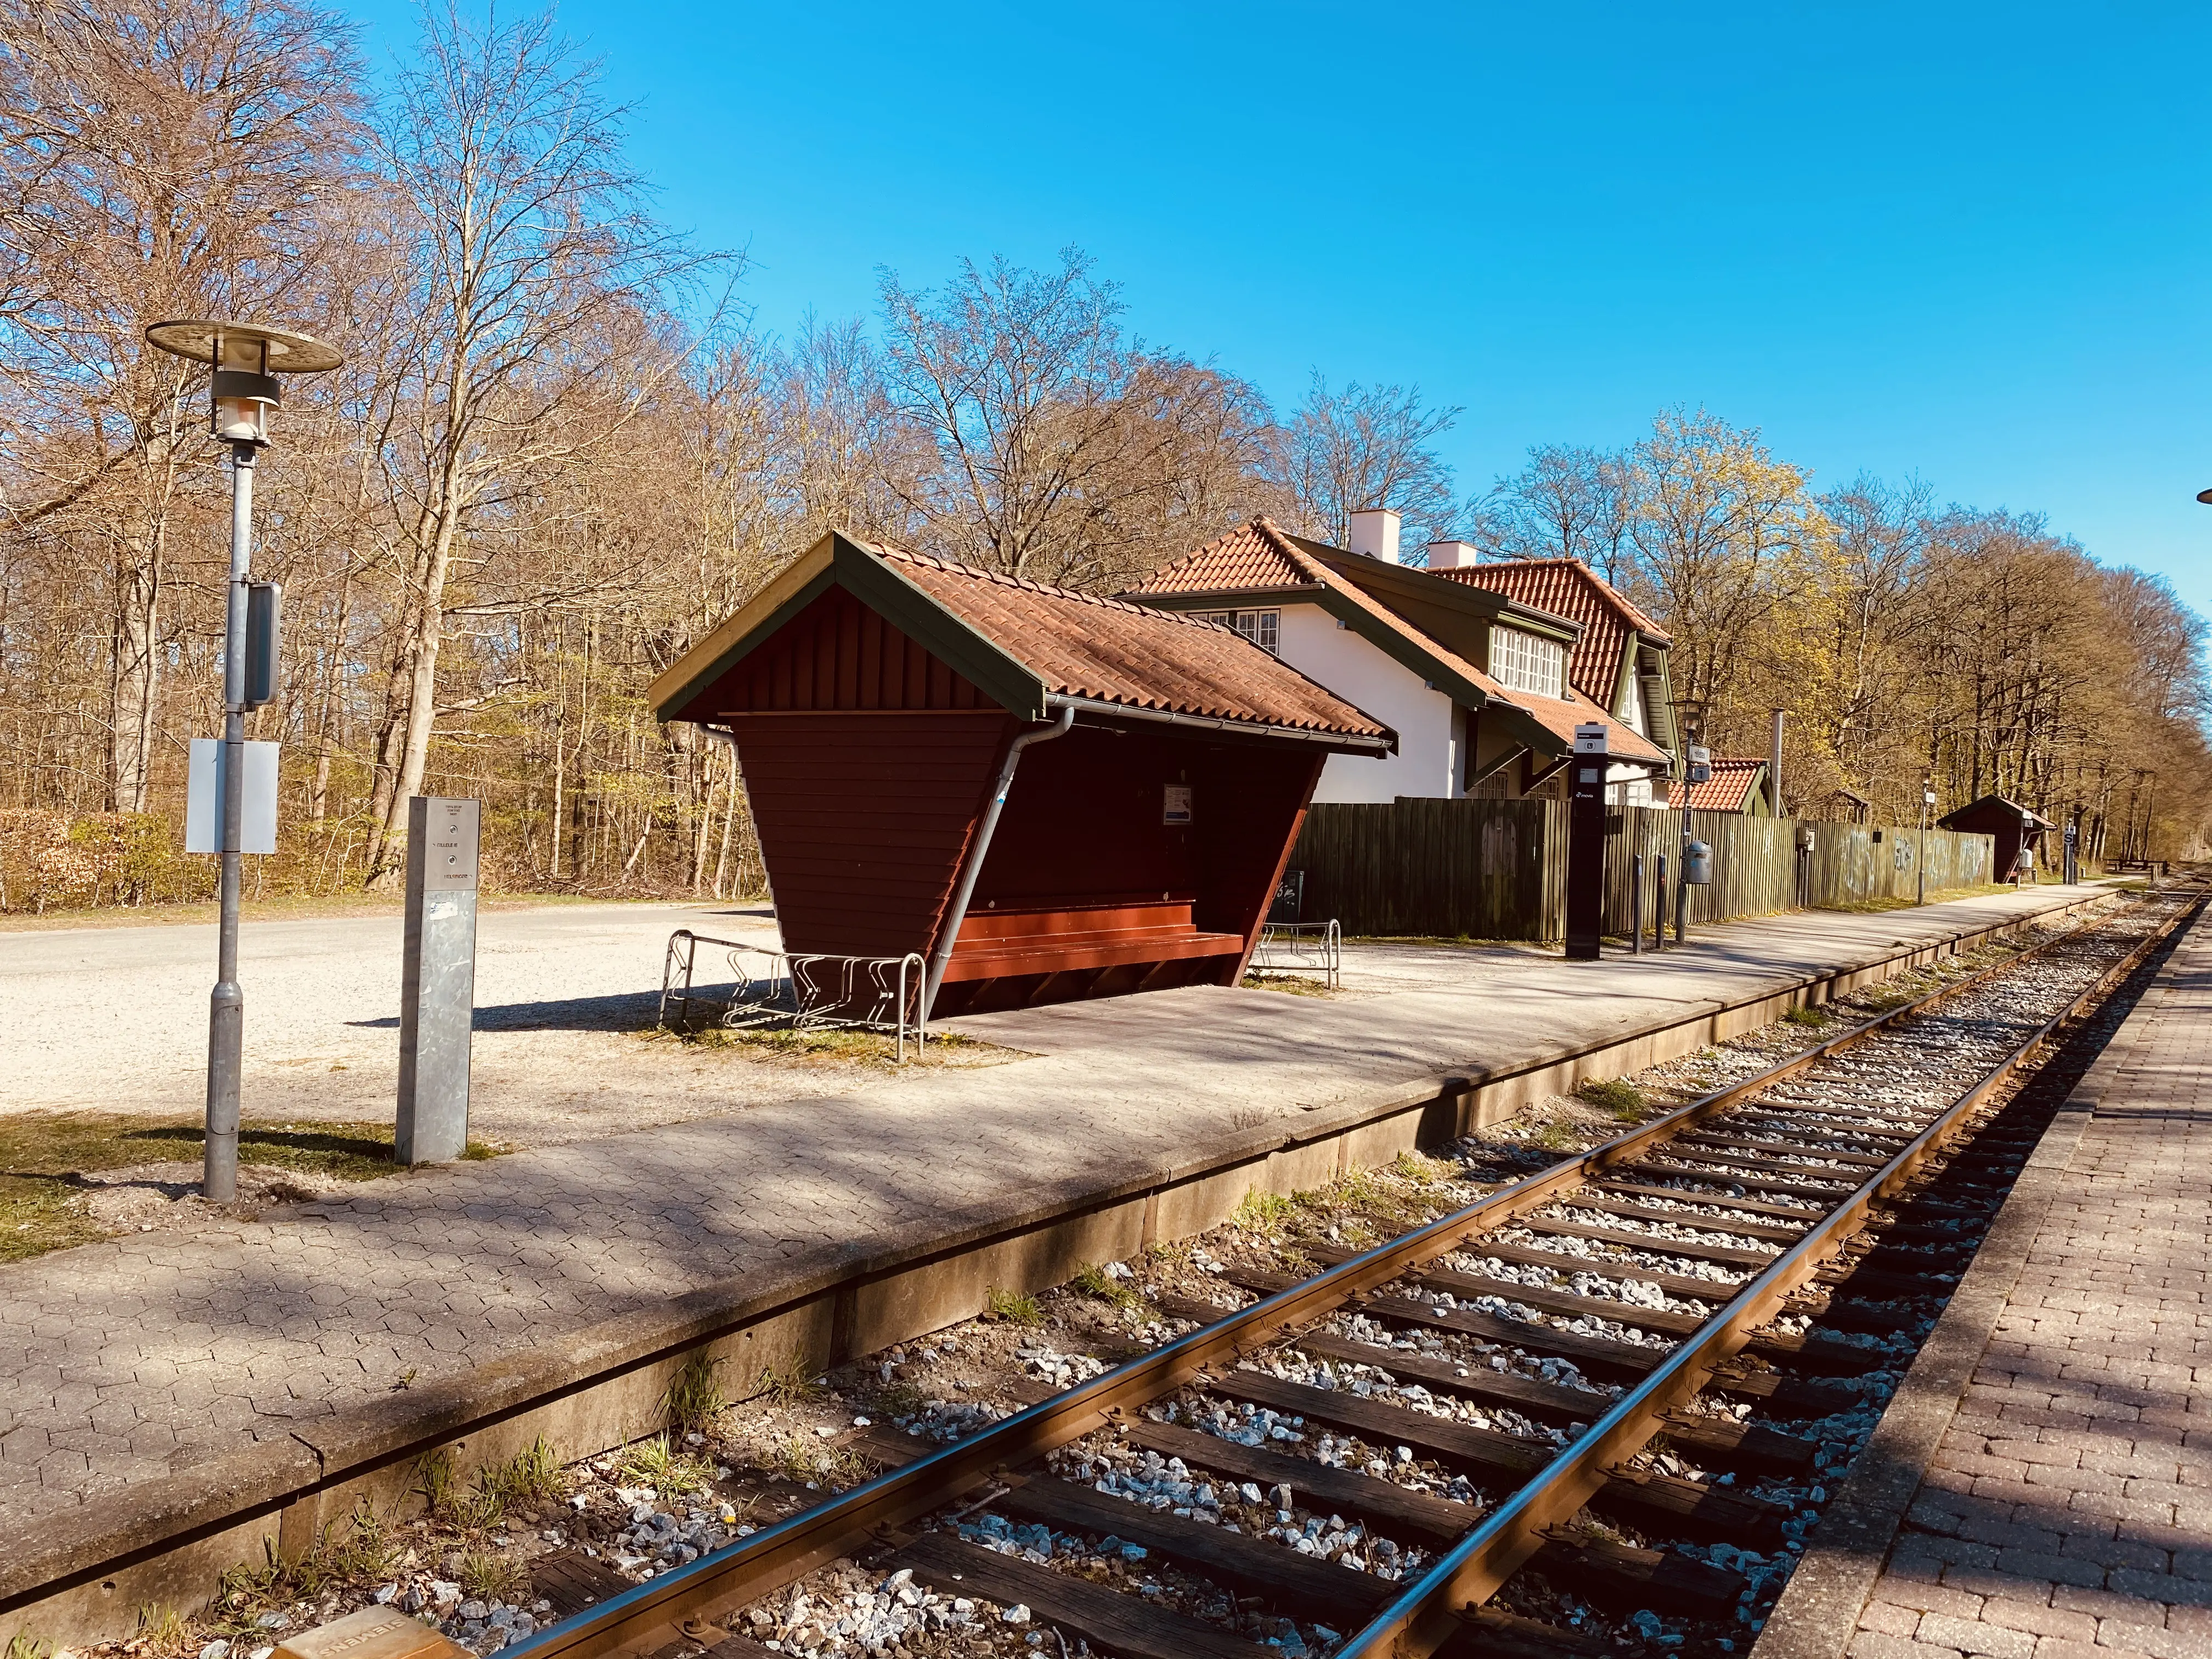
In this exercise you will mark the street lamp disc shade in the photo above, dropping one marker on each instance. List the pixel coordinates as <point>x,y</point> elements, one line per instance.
<point>2205,496</point>
<point>287,350</point>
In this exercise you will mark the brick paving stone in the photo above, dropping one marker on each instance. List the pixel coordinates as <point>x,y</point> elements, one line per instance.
<point>2079,1450</point>
<point>239,1332</point>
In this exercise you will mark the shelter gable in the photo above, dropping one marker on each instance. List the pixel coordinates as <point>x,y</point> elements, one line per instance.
<point>838,654</point>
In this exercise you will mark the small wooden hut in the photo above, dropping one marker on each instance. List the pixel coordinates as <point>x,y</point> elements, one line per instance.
<point>1151,772</point>
<point>2013,828</point>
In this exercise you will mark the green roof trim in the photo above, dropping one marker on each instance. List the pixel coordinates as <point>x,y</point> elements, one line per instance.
<point>836,560</point>
<point>1004,679</point>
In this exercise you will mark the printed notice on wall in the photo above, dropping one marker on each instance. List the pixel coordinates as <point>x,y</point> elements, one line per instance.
<point>1175,808</point>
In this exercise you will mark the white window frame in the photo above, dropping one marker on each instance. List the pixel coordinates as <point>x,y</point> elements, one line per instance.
<point>1522,661</point>
<point>1263,628</point>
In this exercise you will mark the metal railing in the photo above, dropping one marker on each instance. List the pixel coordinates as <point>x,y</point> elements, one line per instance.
<point>1290,947</point>
<point>803,991</point>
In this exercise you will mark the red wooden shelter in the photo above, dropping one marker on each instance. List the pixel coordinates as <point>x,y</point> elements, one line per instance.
<point>1046,795</point>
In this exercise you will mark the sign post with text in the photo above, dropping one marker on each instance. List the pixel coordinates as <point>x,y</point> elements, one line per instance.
<point>1586,843</point>
<point>438,980</point>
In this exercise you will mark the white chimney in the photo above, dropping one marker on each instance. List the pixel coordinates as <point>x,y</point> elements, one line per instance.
<point>1375,532</point>
<point>1451,555</point>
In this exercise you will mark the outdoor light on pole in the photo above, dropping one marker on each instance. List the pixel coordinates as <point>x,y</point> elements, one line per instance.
<point>1920,840</point>
<point>246,358</point>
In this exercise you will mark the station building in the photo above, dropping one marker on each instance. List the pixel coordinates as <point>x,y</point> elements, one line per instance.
<point>1152,771</point>
<point>1475,679</point>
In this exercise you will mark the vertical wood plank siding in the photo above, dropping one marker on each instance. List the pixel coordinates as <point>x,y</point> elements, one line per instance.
<point>837,654</point>
<point>1489,869</point>
<point>864,816</point>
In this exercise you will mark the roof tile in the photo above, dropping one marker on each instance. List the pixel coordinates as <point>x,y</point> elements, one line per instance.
<point>1082,645</point>
<point>1570,588</point>
<point>1259,556</point>
<point>1727,790</point>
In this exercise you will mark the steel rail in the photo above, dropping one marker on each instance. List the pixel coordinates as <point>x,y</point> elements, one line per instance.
<point>1429,1612</point>
<point>742,1573</point>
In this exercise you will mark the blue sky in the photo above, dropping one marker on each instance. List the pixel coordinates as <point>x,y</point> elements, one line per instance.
<point>1968,243</point>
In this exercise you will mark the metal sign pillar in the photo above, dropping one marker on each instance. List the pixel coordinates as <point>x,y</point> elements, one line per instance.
<point>1586,844</point>
<point>437,996</point>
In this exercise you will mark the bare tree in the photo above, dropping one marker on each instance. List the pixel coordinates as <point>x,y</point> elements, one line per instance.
<point>1363,446</point>
<point>158,158</point>
<point>535,257</point>
<point>1569,503</point>
<point>1058,449</point>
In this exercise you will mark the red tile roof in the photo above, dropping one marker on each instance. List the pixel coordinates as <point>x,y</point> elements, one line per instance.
<point>1258,556</point>
<point>1568,587</point>
<point>1728,789</point>
<point>1082,645</point>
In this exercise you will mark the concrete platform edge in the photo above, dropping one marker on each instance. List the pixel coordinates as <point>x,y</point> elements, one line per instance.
<point>88,1571</point>
<point>1817,1614</point>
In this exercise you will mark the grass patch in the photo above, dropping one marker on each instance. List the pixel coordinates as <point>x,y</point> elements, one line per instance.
<point>1262,1212</point>
<point>1871,907</point>
<point>818,1047</point>
<point>532,1472</point>
<point>43,1156</point>
<point>1295,985</point>
<point>160,1629</point>
<point>1553,1135</point>
<point>1616,1094</point>
<point>1807,1016</point>
<point>24,1645</point>
<point>694,1399</point>
<point>1423,1171</point>
<point>1094,1281</point>
<point>805,1457</point>
<point>787,1384</point>
<point>657,1464</point>
<point>1014,1308</point>
<point>365,1552</point>
<point>471,1509</point>
<point>490,1577</point>
<point>1357,1188</point>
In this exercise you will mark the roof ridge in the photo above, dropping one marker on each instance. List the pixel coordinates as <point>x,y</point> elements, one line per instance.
<point>1029,585</point>
<point>1606,593</point>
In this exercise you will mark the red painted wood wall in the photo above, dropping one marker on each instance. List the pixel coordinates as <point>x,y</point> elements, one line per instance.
<point>868,762</point>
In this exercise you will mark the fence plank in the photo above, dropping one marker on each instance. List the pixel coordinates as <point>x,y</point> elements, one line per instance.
<point>1497,869</point>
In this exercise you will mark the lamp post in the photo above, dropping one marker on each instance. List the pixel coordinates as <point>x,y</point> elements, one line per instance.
<point>1920,847</point>
<point>246,359</point>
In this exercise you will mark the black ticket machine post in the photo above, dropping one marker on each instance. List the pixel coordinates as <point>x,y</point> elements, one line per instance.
<point>1586,843</point>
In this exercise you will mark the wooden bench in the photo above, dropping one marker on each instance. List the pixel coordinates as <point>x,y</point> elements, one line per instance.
<point>1005,940</point>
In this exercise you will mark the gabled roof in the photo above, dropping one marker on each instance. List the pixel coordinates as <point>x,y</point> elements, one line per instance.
<point>1260,560</point>
<point>1568,587</point>
<point>1729,788</point>
<point>1997,808</point>
<point>1030,647</point>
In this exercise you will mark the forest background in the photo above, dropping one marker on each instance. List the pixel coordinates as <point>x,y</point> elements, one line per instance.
<point>557,453</point>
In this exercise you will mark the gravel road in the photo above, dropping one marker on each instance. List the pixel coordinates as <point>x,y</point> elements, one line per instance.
<point>115,1018</point>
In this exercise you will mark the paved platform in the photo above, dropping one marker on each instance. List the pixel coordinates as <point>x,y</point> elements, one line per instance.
<point>125,1361</point>
<point>2063,1508</point>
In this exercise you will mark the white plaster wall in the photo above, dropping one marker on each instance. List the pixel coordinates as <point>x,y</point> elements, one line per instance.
<point>1311,642</point>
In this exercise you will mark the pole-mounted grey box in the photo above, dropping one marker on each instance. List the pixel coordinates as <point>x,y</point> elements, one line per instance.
<point>437,986</point>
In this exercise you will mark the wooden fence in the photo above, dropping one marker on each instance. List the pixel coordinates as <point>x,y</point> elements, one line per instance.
<point>1497,869</point>
<point>1486,869</point>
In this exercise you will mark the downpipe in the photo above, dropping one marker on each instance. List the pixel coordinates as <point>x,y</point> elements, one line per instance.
<point>941,958</point>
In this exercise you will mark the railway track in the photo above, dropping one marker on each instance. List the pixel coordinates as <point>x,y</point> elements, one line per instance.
<point>1593,1411</point>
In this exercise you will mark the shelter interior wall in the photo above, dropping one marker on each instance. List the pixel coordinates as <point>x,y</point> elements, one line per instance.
<point>1084,823</point>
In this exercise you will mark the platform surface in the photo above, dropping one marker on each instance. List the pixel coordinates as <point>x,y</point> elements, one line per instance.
<point>141,1357</point>
<point>2067,1511</point>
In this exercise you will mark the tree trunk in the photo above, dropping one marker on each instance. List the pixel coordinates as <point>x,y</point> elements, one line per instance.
<point>135,677</point>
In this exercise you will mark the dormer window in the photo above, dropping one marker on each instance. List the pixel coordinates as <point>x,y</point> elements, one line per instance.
<point>1528,662</point>
<point>1262,628</point>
